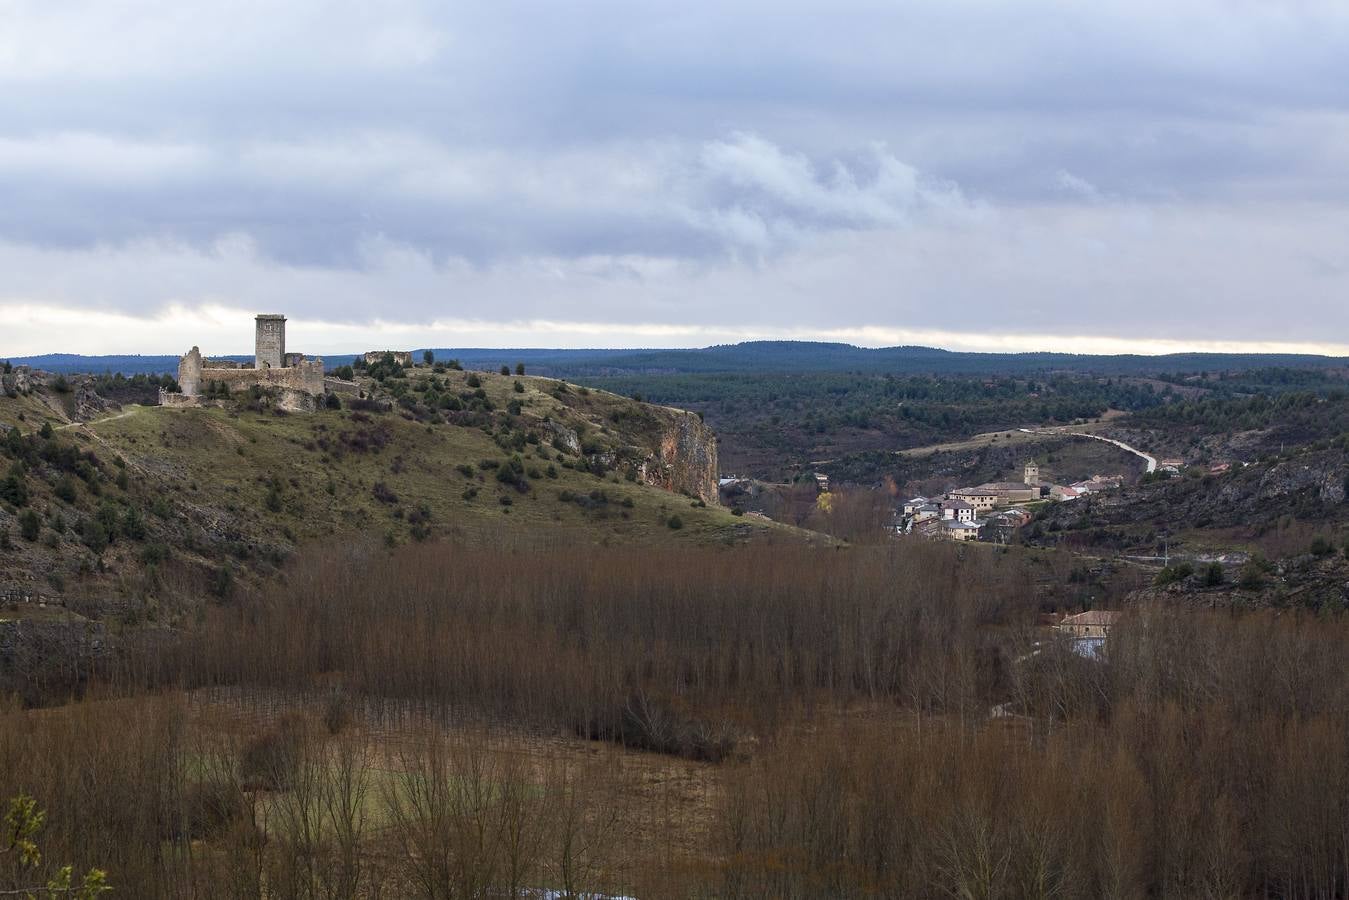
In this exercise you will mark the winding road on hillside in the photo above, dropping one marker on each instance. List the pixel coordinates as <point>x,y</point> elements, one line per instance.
<point>989,437</point>
<point>1147,458</point>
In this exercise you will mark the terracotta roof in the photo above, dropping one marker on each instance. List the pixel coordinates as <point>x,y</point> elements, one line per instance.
<point>1092,617</point>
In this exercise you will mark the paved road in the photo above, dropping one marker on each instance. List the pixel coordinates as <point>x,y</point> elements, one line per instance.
<point>1147,458</point>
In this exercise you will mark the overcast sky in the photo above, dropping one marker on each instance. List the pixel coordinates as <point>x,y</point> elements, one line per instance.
<point>1096,176</point>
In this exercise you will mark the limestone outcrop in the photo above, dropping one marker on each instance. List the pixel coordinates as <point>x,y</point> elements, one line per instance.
<point>685,458</point>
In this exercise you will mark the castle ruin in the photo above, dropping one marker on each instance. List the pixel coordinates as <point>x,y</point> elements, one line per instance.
<point>272,367</point>
<point>401,357</point>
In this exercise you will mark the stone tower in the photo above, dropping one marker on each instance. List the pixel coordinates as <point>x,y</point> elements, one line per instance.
<point>270,341</point>
<point>1032,473</point>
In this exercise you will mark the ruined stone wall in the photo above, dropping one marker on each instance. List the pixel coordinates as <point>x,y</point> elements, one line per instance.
<point>402,357</point>
<point>180,401</point>
<point>339,386</point>
<point>307,377</point>
<point>189,373</point>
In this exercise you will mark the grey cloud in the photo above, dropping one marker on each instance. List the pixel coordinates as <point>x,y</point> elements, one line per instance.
<point>315,202</point>
<point>1042,164</point>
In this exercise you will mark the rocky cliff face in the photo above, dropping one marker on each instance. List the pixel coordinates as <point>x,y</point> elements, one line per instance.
<point>684,459</point>
<point>76,399</point>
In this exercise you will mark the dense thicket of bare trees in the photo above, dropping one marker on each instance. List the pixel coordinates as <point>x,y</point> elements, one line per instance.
<point>847,698</point>
<point>589,638</point>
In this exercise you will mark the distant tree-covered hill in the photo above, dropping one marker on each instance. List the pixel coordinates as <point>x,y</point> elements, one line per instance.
<point>132,364</point>
<point>770,357</point>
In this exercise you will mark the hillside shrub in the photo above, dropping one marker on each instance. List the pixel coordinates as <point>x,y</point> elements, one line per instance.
<point>154,554</point>
<point>1214,575</point>
<point>1173,573</point>
<point>94,535</point>
<point>220,582</point>
<point>14,489</point>
<point>64,489</point>
<point>30,526</point>
<point>132,524</point>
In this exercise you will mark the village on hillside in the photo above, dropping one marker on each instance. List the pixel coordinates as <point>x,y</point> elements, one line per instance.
<point>990,511</point>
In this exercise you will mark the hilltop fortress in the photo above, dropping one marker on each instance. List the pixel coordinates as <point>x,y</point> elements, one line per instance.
<point>272,367</point>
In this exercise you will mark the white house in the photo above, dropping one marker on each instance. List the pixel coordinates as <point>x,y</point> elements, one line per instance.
<point>958,511</point>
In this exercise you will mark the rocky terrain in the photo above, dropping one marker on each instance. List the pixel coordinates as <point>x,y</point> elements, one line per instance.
<point>1307,486</point>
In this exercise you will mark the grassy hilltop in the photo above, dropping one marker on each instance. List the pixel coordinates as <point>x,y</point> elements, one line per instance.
<point>133,505</point>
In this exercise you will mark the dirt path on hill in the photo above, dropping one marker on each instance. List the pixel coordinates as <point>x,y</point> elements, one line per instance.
<point>129,411</point>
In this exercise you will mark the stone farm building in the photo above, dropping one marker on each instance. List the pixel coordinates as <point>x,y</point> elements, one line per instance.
<point>1095,623</point>
<point>980,499</point>
<point>272,367</point>
<point>1007,493</point>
